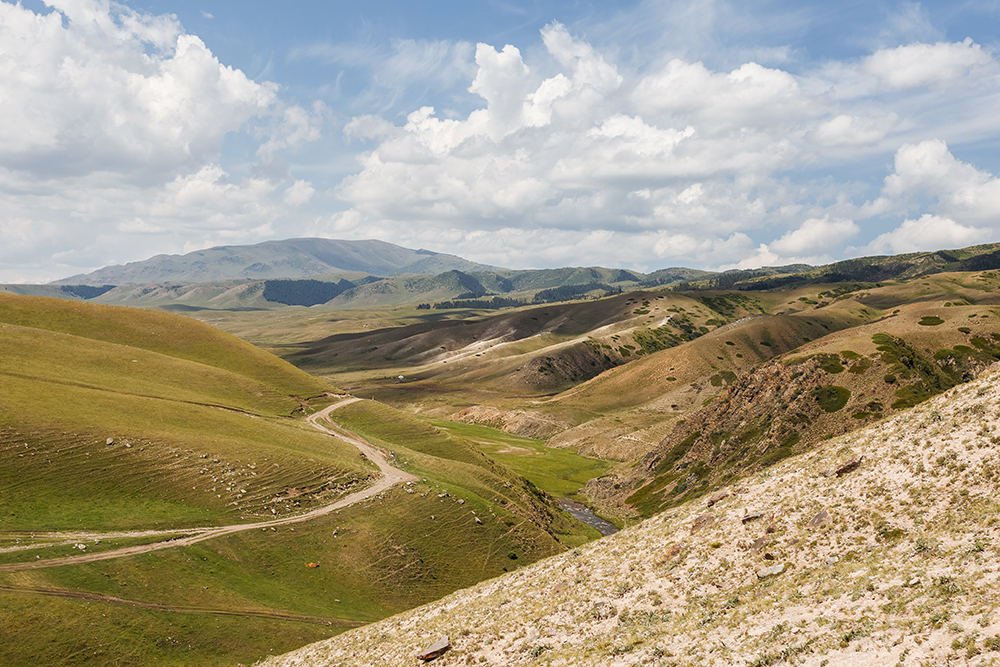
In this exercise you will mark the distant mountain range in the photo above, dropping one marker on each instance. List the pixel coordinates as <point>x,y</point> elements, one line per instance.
<point>292,258</point>
<point>360,274</point>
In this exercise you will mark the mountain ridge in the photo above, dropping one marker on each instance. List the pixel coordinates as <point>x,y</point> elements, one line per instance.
<point>290,258</point>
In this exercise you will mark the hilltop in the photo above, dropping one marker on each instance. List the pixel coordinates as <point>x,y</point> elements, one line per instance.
<point>875,548</point>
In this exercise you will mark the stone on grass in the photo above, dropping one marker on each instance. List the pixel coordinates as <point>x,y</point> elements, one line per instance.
<point>850,465</point>
<point>772,571</point>
<point>701,522</point>
<point>721,495</point>
<point>435,650</point>
<point>822,517</point>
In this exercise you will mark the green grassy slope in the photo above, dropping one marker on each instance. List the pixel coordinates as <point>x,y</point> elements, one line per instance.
<point>157,332</point>
<point>113,419</point>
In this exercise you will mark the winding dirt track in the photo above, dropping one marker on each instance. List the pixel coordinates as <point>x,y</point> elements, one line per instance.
<point>390,476</point>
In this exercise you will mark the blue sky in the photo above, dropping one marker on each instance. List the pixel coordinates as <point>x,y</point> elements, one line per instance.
<point>519,134</point>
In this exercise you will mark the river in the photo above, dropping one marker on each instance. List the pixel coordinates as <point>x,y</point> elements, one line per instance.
<point>583,514</point>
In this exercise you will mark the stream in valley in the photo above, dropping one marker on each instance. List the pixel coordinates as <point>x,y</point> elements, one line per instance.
<point>582,513</point>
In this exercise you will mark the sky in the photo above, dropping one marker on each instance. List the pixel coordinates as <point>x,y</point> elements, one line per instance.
<point>524,134</point>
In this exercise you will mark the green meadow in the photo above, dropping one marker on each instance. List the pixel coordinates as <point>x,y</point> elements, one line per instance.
<point>121,420</point>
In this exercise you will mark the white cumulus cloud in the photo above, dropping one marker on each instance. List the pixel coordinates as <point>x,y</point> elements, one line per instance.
<point>682,159</point>
<point>298,193</point>
<point>113,124</point>
<point>928,174</point>
<point>920,64</point>
<point>929,232</point>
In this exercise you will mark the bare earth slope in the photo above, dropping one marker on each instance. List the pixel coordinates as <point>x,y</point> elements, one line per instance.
<point>877,548</point>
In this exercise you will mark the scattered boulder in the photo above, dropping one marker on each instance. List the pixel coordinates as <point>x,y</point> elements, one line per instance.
<point>821,517</point>
<point>847,466</point>
<point>110,441</point>
<point>772,571</point>
<point>753,516</point>
<point>675,549</point>
<point>435,650</point>
<point>718,497</point>
<point>759,544</point>
<point>850,465</point>
<point>704,520</point>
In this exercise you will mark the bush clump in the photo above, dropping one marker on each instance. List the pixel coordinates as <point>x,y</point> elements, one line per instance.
<point>831,397</point>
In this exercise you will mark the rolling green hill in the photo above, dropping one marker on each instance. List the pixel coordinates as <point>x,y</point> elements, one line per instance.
<point>123,427</point>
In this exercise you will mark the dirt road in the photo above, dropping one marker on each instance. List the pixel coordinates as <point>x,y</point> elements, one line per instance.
<point>390,476</point>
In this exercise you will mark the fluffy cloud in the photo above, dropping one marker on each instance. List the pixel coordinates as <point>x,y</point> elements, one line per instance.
<point>681,158</point>
<point>928,174</point>
<point>298,193</point>
<point>930,232</point>
<point>847,130</point>
<point>114,91</point>
<point>964,202</point>
<point>751,96</point>
<point>113,125</point>
<point>560,149</point>
<point>927,64</point>
<point>815,234</point>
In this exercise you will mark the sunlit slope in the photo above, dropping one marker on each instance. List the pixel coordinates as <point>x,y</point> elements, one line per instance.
<point>198,422</point>
<point>162,333</point>
<point>467,519</point>
<point>116,422</point>
<point>877,548</point>
<point>630,408</point>
<point>537,351</point>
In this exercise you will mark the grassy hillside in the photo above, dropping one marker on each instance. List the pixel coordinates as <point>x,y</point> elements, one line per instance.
<point>121,427</point>
<point>933,340</point>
